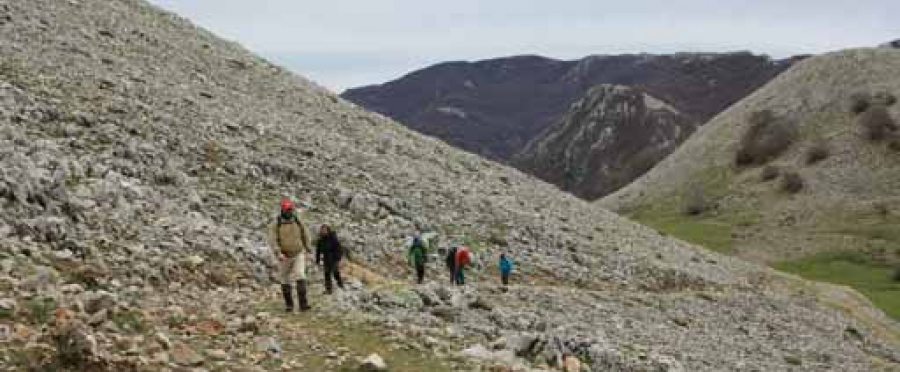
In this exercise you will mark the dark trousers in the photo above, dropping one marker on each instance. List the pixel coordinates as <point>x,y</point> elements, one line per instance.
<point>459,277</point>
<point>420,273</point>
<point>333,270</point>
<point>287,294</point>
<point>504,277</point>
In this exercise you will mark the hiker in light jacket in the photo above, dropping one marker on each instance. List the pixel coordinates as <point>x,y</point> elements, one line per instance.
<point>291,246</point>
<point>329,248</point>
<point>418,255</point>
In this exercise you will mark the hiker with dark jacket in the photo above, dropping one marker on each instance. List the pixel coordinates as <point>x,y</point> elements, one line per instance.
<point>329,247</point>
<point>450,261</point>
<point>418,255</point>
<point>291,246</point>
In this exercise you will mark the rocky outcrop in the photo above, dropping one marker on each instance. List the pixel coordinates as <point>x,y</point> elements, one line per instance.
<point>608,138</point>
<point>496,107</point>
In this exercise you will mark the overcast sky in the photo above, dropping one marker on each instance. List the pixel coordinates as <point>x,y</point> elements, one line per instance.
<point>348,43</point>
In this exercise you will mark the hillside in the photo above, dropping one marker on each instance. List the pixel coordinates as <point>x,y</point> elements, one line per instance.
<point>607,139</point>
<point>841,226</point>
<point>496,107</point>
<point>141,158</point>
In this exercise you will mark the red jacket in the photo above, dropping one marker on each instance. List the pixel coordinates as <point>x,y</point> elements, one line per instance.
<point>462,257</point>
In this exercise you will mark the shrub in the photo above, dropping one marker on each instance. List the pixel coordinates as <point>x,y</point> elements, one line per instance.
<point>882,209</point>
<point>894,145</point>
<point>766,138</point>
<point>769,172</point>
<point>212,152</point>
<point>817,152</point>
<point>884,98</point>
<point>695,201</point>
<point>877,123</point>
<point>897,275</point>
<point>859,103</point>
<point>792,182</point>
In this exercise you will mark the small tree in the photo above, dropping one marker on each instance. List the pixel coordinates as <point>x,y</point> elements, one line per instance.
<point>792,182</point>
<point>695,201</point>
<point>859,103</point>
<point>817,152</point>
<point>766,138</point>
<point>877,123</point>
<point>769,172</point>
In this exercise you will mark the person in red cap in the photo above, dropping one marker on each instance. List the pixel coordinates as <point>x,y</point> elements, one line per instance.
<point>292,244</point>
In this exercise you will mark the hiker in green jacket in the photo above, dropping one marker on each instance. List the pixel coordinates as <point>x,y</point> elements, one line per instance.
<point>418,254</point>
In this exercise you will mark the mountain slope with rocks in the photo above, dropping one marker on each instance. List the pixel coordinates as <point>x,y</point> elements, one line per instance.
<point>142,157</point>
<point>817,186</point>
<point>607,139</point>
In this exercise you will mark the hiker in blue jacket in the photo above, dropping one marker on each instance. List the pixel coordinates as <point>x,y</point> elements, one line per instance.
<point>506,267</point>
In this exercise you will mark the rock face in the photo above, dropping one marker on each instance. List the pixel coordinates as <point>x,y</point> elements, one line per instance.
<point>141,159</point>
<point>496,107</point>
<point>608,138</point>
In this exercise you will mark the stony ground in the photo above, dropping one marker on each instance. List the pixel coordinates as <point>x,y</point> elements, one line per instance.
<point>141,158</point>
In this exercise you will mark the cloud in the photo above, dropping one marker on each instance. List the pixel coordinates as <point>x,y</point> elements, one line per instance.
<point>343,43</point>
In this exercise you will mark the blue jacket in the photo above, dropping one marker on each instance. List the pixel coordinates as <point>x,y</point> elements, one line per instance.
<point>506,265</point>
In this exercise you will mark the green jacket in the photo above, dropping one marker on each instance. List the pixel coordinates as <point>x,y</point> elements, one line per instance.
<point>417,253</point>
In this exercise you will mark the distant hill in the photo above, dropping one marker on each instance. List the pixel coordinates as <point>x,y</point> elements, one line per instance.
<point>810,192</point>
<point>496,107</point>
<point>608,138</point>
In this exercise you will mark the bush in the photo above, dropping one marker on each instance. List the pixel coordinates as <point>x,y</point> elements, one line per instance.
<point>859,103</point>
<point>897,275</point>
<point>695,202</point>
<point>792,182</point>
<point>817,152</point>
<point>769,172</point>
<point>894,145</point>
<point>766,138</point>
<point>877,123</point>
<point>884,98</point>
<point>882,209</point>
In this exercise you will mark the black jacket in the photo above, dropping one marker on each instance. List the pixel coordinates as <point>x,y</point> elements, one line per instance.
<point>330,248</point>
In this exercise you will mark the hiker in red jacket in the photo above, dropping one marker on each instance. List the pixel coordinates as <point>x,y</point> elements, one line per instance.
<point>462,258</point>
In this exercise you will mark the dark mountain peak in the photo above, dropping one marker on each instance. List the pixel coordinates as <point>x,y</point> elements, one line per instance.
<point>612,135</point>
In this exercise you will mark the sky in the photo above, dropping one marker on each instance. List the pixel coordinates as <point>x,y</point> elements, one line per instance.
<point>348,43</point>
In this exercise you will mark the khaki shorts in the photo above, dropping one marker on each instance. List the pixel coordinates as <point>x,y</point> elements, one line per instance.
<point>292,269</point>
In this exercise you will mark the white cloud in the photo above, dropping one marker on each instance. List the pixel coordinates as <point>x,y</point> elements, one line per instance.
<point>343,43</point>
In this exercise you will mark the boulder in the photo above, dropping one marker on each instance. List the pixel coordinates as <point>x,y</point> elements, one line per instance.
<point>373,363</point>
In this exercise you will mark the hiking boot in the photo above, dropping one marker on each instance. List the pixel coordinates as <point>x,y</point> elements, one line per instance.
<point>301,293</point>
<point>287,294</point>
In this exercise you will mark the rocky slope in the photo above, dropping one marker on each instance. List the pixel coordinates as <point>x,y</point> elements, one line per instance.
<point>495,107</point>
<point>140,158</point>
<point>607,139</point>
<point>849,195</point>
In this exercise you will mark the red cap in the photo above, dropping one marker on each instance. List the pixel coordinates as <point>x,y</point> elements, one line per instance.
<point>286,205</point>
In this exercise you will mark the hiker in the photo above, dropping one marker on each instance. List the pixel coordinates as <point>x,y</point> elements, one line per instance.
<point>418,255</point>
<point>506,267</point>
<point>292,241</point>
<point>462,257</point>
<point>450,261</point>
<point>329,247</point>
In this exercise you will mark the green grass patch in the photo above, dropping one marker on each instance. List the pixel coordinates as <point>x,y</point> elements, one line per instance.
<point>703,231</point>
<point>40,310</point>
<point>129,321</point>
<point>874,280</point>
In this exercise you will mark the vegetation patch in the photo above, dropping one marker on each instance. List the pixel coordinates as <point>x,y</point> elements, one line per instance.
<point>766,138</point>
<point>703,231</point>
<point>877,123</point>
<point>817,152</point>
<point>792,182</point>
<point>769,173</point>
<point>40,310</point>
<point>854,269</point>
